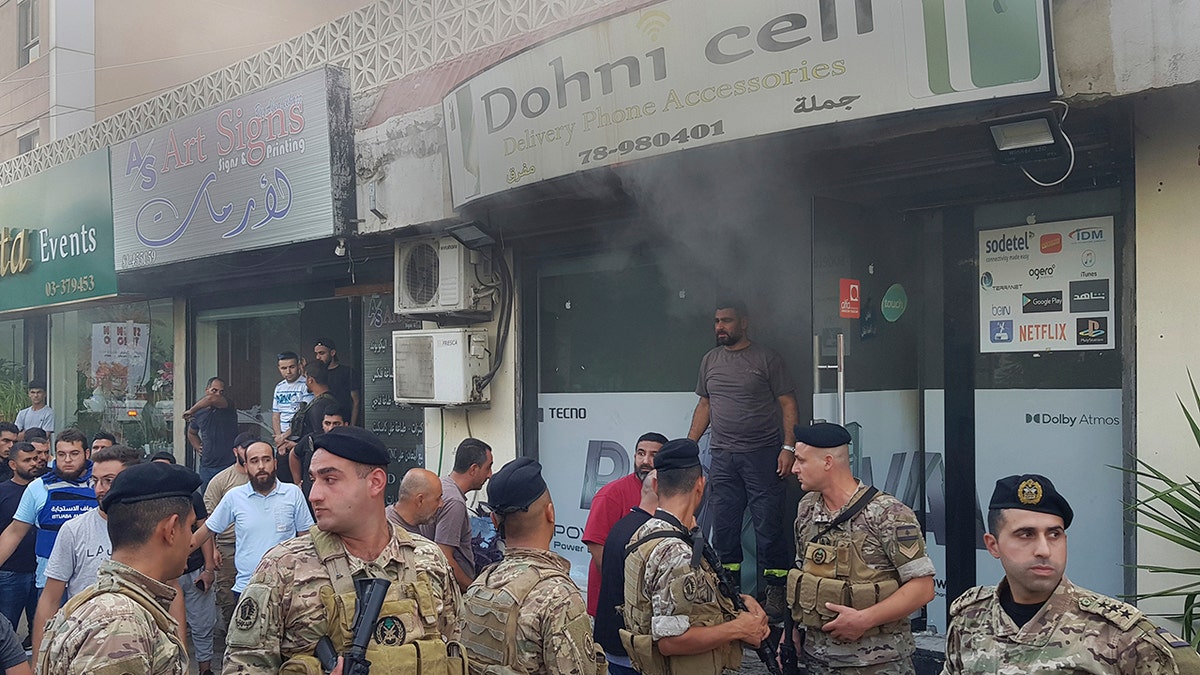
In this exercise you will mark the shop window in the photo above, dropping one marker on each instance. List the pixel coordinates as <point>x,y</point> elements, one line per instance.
<point>13,380</point>
<point>28,32</point>
<point>112,369</point>
<point>27,142</point>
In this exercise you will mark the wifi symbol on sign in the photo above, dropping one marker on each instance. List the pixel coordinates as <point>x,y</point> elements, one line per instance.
<point>652,23</point>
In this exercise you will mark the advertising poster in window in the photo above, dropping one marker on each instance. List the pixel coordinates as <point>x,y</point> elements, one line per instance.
<point>120,351</point>
<point>1047,287</point>
<point>401,428</point>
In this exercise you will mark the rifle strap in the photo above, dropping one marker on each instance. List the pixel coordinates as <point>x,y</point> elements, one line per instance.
<point>849,513</point>
<point>661,534</point>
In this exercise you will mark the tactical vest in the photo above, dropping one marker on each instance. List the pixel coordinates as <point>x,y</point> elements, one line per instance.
<point>490,620</point>
<point>161,619</point>
<point>837,573</point>
<point>640,644</point>
<point>406,639</point>
<point>65,499</point>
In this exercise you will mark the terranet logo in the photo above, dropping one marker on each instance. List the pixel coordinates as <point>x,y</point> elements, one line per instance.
<point>1051,243</point>
<point>1047,301</point>
<point>1086,235</point>
<point>1089,296</point>
<point>1040,332</point>
<point>1068,420</point>
<point>1001,331</point>
<point>1092,331</point>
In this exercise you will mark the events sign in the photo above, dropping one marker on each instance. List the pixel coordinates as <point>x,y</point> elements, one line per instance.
<point>56,236</point>
<point>1047,287</point>
<point>270,168</point>
<point>681,74</point>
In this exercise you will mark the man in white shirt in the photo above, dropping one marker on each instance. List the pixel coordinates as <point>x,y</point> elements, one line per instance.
<point>264,512</point>
<point>291,393</point>
<point>38,414</point>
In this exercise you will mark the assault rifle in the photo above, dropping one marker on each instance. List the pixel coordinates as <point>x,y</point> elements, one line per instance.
<point>729,588</point>
<point>370,594</point>
<point>788,655</point>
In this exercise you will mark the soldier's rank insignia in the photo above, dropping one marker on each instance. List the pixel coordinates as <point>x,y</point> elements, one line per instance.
<point>1030,492</point>
<point>390,631</point>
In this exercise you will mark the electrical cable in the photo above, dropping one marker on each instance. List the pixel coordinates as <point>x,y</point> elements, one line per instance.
<point>1070,148</point>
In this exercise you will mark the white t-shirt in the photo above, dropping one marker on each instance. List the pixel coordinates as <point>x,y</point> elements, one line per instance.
<point>81,546</point>
<point>28,417</point>
<point>289,396</point>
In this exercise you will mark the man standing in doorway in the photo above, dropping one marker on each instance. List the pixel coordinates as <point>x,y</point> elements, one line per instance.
<point>343,381</point>
<point>612,503</point>
<point>295,452</point>
<point>451,527</point>
<point>212,428</point>
<point>290,394</point>
<point>38,414</point>
<point>748,400</point>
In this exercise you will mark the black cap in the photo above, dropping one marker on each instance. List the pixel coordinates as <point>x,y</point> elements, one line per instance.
<point>515,486</point>
<point>823,435</point>
<point>152,480</point>
<point>163,455</point>
<point>1031,492</point>
<point>355,444</point>
<point>325,342</point>
<point>681,453</point>
<point>245,438</point>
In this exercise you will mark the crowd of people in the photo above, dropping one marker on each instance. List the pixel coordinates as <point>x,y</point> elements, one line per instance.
<point>119,563</point>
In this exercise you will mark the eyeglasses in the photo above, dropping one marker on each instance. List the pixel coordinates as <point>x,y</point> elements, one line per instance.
<point>105,482</point>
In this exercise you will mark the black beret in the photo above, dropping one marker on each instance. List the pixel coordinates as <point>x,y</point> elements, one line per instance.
<point>1031,492</point>
<point>152,480</point>
<point>355,444</point>
<point>823,435</point>
<point>681,453</point>
<point>515,486</point>
<point>163,455</point>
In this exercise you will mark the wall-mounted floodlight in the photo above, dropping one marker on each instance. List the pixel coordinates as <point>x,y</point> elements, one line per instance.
<point>472,235</point>
<point>1030,137</point>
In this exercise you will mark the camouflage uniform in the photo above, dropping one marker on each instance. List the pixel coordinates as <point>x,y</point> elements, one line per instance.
<point>891,540</point>
<point>1076,631</point>
<point>553,633</point>
<point>282,613</point>
<point>120,625</point>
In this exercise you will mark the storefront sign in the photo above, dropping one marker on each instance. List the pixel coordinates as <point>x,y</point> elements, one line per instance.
<point>850,298</point>
<point>401,428</point>
<point>270,168</point>
<point>1047,287</point>
<point>894,302</point>
<point>56,241</point>
<point>687,73</point>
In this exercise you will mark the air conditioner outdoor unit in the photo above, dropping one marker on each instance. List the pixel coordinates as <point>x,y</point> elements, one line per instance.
<point>436,278</point>
<point>439,367</point>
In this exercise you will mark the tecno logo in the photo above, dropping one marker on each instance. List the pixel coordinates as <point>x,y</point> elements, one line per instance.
<point>1039,272</point>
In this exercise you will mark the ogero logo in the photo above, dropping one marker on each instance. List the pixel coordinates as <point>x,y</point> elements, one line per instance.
<point>1091,331</point>
<point>1039,272</point>
<point>1046,301</point>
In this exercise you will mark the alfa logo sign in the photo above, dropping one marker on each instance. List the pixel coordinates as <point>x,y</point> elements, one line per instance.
<point>850,294</point>
<point>681,74</point>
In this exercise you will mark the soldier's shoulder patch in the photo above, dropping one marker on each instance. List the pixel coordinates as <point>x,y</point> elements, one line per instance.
<point>906,533</point>
<point>1120,614</point>
<point>973,596</point>
<point>249,625</point>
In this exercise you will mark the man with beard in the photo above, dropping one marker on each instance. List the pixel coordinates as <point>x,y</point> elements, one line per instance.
<point>8,436</point>
<point>418,500</point>
<point>343,380</point>
<point>212,428</point>
<point>612,581</point>
<point>41,441</point>
<point>18,593</point>
<point>748,400</point>
<point>53,499</point>
<point>1036,620</point>
<point>264,512</point>
<point>225,542</point>
<point>82,543</point>
<point>304,588</point>
<point>611,503</point>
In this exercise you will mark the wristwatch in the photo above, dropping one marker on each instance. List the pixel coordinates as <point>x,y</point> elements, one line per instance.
<point>790,448</point>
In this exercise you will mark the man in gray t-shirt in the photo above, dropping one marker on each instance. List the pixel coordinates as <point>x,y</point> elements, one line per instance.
<point>748,400</point>
<point>451,526</point>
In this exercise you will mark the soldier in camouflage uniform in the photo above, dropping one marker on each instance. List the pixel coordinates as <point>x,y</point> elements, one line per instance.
<point>121,624</point>
<point>303,588</point>
<point>1036,621</point>
<point>677,621</point>
<point>861,567</point>
<point>524,614</point>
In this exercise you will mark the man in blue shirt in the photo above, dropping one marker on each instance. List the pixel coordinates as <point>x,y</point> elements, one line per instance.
<point>263,512</point>
<point>52,500</point>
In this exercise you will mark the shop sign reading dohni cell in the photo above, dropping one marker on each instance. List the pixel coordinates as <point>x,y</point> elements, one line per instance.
<point>1047,287</point>
<point>56,236</point>
<point>269,168</point>
<point>686,73</point>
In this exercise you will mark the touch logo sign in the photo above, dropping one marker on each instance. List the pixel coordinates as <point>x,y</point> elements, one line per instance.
<point>895,301</point>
